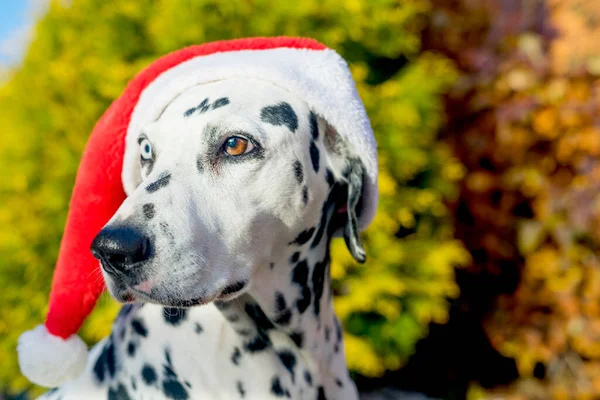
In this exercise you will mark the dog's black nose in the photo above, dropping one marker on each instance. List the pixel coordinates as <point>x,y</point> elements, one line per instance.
<point>119,248</point>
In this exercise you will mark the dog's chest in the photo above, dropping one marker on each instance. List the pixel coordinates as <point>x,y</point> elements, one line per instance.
<point>155,353</point>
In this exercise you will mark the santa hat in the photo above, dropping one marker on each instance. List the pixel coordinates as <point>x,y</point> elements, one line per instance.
<point>53,353</point>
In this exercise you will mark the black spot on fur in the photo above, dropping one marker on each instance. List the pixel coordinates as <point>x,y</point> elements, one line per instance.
<point>300,277</point>
<point>110,358</point>
<point>105,361</point>
<point>326,213</point>
<point>257,315</point>
<point>133,383</point>
<point>262,323</point>
<point>200,163</point>
<point>198,328</point>
<point>240,389</point>
<point>172,388</point>
<point>202,107</point>
<point>223,101</point>
<point>338,335</point>
<point>298,171</point>
<point>308,377</point>
<point>277,389</point>
<point>314,126</point>
<point>321,395</point>
<point>148,374</point>
<point>280,114</point>
<point>305,195</point>
<point>283,313</point>
<point>174,316</point>
<point>289,361</point>
<point>131,349</point>
<point>272,265</point>
<point>139,327</point>
<point>148,210</point>
<point>279,301</point>
<point>100,366</point>
<point>327,333</point>
<point>318,280</point>
<point>235,357</point>
<point>297,338</point>
<point>303,236</point>
<point>257,344</point>
<point>338,382</point>
<point>329,177</point>
<point>169,365</point>
<point>314,156</point>
<point>294,258</point>
<point>188,384</point>
<point>120,393</point>
<point>163,180</point>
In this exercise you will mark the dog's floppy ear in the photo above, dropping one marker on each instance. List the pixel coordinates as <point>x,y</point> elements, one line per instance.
<point>349,176</point>
<point>354,175</point>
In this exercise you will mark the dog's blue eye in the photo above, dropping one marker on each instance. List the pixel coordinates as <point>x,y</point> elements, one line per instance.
<point>236,146</point>
<point>146,149</point>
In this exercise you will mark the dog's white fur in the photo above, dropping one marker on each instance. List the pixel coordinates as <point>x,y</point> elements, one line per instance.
<point>218,222</point>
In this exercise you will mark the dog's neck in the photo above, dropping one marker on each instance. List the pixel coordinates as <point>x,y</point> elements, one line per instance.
<point>298,300</point>
<point>293,297</point>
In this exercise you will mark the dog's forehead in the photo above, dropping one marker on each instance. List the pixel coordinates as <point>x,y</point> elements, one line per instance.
<point>243,97</point>
<point>240,105</point>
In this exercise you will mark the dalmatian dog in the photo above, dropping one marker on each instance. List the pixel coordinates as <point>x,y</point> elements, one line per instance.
<point>221,255</point>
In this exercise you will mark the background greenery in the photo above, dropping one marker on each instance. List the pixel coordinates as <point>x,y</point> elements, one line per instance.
<point>525,122</point>
<point>488,124</point>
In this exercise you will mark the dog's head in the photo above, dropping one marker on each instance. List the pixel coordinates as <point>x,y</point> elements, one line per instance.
<point>230,175</point>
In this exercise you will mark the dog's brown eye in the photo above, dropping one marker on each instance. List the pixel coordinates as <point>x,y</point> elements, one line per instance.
<point>236,146</point>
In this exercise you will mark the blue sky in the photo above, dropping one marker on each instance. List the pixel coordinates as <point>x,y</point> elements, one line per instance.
<point>15,20</point>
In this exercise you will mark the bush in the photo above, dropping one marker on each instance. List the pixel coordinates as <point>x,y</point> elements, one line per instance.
<point>84,52</point>
<point>525,123</point>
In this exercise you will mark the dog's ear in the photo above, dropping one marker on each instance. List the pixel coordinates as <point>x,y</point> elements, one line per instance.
<point>354,174</point>
<point>349,177</point>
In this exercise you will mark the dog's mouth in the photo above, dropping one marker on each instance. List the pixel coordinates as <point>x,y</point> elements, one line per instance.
<point>133,294</point>
<point>232,290</point>
<point>137,296</point>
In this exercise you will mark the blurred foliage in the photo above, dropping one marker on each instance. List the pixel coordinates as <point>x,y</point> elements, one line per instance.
<point>525,121</point>
<point>388,304</point>
<point>84,52</point>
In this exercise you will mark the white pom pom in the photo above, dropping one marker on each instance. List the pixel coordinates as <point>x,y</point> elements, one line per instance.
<point>49,360</point>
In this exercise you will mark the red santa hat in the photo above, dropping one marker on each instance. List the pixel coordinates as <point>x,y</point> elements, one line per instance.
<point>52,353</point>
